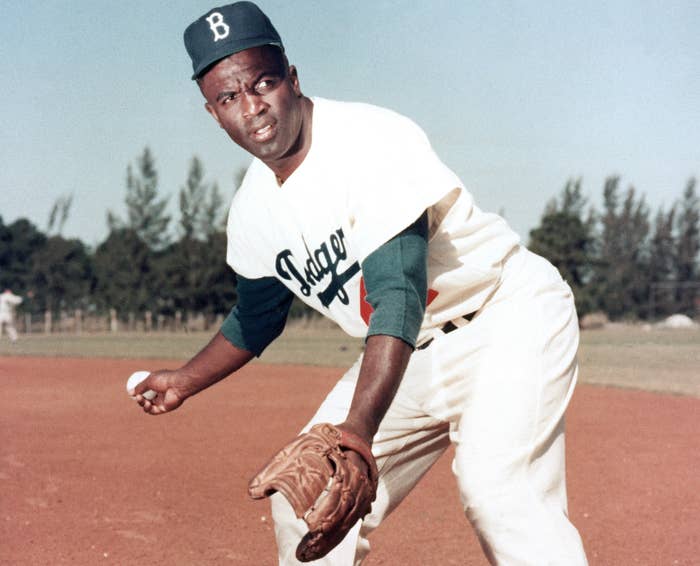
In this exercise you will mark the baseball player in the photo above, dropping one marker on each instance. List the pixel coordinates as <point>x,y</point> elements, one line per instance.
<point>471,339</point>
<point>8,302</point>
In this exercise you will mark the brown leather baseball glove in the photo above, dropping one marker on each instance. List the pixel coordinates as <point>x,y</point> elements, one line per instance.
<point>322,484</point>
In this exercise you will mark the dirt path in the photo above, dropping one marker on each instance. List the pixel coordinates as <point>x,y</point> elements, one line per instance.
<point>87,479</point>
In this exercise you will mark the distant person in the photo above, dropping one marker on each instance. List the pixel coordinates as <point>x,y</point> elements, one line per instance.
<point>8,302</point>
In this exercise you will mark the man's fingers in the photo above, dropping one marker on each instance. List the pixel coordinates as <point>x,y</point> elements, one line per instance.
<point>150,408</point>
<point>143,390</point>
<point>358,460</point>
<point>137,384</point>
<point>153,393</point>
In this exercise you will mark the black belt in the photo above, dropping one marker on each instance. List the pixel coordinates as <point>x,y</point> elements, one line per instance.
<point>448,327</point>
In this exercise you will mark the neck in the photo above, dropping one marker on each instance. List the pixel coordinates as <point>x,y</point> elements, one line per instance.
<point>283,168</point>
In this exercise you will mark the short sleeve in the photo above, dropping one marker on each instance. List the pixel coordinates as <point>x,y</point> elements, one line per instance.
<point>260,314</point>
<point>396,281</point>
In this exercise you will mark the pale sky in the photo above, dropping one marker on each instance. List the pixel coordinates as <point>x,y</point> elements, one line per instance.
<point>516,97</point>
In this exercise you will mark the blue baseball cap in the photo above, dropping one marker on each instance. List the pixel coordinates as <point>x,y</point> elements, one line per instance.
<point>227,30</point>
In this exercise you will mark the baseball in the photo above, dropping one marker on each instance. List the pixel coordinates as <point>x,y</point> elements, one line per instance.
<point>136,378</point>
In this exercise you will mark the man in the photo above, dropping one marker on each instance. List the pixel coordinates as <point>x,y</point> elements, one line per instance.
<point>8,302</point>
<point>470,338</point>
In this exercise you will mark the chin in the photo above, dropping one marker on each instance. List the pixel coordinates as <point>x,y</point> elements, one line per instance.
<point>270,152</point>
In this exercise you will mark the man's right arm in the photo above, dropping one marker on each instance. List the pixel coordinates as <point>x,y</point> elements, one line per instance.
<point>257,319</point>
<point>218,359</point>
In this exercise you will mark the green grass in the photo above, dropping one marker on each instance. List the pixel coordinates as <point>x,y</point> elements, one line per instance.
<point>652,359</point>
<point>623,356</point>
<point>317,344</point>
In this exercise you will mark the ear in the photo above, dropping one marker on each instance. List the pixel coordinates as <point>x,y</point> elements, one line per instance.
<point>212,113</point>
<point>294,79</point>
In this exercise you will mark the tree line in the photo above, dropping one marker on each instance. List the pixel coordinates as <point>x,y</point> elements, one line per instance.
<point>147,263</point>
<point>623,260</point>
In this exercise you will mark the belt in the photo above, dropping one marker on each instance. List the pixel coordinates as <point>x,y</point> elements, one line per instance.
<point>448,327</point>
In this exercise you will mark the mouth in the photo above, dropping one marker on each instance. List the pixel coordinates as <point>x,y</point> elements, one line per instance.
<point>264,133</point>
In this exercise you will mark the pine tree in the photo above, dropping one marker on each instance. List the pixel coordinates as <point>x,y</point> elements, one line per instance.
<point>619,285</point>
<point>661,264</point>
<point>190,269</point>
<point>565,238</point>
<point>146,215</point>
<point>59,214</point>
<point>192,201</point>
<point>61,274</point>
<point>687,248</point>
<point>19,242</point>
<point>213,215</point>
<point>125,278</point>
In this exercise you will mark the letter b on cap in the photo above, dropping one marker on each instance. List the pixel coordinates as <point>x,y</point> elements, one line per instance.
<point>217,25</point>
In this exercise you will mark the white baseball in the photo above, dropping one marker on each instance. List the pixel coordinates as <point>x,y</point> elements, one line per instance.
<point>136,378</point>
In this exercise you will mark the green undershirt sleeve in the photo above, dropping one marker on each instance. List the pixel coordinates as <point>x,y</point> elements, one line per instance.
<point>260,314</point>
<point>395,277</point>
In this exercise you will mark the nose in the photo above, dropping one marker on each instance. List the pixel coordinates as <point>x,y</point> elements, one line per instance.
<point>253,104</point>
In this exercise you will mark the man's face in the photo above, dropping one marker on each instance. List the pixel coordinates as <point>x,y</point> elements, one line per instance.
<point>257,100</point>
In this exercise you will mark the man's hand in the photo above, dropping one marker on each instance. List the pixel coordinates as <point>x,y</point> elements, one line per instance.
<point>215,361</point>
<point>171,388</point>
<point>318,474</point>
<point>357,460</point>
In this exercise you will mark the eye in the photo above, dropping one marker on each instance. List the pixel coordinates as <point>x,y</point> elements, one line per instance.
<point>265,85</point>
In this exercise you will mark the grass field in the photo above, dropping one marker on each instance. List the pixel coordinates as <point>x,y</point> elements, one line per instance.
<point>623,356</point>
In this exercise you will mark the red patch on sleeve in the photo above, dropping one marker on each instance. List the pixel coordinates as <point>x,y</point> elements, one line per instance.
<point>432,293</point>
<point>366,309</point>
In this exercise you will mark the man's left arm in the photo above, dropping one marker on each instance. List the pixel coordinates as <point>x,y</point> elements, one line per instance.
<point>396,281</point>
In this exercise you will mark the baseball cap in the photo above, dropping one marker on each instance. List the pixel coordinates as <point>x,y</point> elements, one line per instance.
<point>227,30</point>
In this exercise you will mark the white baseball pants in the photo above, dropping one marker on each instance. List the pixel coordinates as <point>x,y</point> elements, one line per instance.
<point>497,388</point>
<point>9,325</point>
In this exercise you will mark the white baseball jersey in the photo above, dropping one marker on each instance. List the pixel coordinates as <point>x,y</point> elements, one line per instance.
<point>496,387</point>
<point>369,174</point>
<point>8,302</point>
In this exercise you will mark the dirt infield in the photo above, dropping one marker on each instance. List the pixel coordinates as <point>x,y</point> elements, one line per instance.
<point>85,478</point>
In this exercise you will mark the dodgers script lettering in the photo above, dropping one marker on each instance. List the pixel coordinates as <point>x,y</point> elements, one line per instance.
<point>319,264</point>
